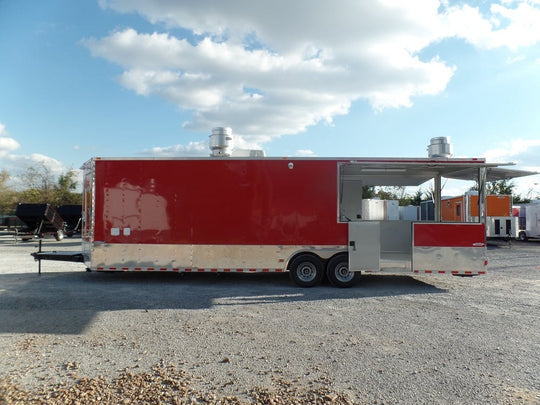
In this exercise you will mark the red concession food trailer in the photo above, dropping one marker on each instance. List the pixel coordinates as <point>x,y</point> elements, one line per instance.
<point>260,214</point>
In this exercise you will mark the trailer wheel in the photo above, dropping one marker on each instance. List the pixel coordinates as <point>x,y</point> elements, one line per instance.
<point>338,272</point>
<point>306,270</point>
<point>522,236</point>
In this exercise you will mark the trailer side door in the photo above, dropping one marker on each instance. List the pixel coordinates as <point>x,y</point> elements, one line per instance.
<point>364,246</point>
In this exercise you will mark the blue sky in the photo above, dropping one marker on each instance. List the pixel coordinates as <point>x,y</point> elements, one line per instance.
<point>308,78</point>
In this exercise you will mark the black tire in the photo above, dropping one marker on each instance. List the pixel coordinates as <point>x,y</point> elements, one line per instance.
<point>337,272</point>
<point>306,270</point>
<point>522,236</point>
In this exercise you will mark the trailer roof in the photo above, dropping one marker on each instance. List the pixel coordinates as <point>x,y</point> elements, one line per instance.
<point>386,171</point>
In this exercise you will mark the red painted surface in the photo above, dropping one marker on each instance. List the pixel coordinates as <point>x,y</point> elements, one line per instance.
<point>449,235</point>
<point>221,201</point>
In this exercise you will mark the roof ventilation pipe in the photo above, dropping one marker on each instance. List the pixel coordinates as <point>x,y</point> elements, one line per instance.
<point>221,142</point>
<point>440,147</point>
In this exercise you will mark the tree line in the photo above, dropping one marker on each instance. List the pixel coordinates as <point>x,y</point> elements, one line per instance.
<point>39,185</point>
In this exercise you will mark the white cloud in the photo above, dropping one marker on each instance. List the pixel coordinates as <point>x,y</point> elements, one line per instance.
<point>7,144</point>
<point>191,149</point>
<point>268,69</point>
<point>202,148</point>
<point>16,164</point>
<point>513,25</point>
<point>525,154</point>
<point>305,153</point>
<point>272,68</point>
<point>523,25</point>
<point>24,161</point>
<point>515,59</point>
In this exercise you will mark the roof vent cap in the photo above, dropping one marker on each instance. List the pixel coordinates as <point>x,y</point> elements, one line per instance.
<point>221,141</point>
<point>440,147</point>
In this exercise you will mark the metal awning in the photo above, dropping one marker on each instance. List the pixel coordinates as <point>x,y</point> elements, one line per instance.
<point>414,172</point>
<point>495,173</point>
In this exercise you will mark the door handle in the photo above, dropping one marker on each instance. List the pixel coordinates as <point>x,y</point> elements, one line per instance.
<point>352,244</point>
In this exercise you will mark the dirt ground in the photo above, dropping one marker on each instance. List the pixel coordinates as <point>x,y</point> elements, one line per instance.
<point>71,336</point>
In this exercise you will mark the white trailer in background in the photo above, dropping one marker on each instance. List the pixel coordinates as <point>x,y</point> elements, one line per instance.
<point>530,227</point>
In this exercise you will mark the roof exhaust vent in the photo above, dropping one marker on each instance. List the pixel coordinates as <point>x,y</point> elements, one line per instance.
<point>440,147</point>
<point>221,142</point>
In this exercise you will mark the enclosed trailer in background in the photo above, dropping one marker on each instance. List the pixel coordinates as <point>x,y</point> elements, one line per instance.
<point>499,216</point>
<point>528,220</point>
<point>427,211</point>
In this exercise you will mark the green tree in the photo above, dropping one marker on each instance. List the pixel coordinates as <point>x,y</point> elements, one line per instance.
<point>368,191</point>
<point>414,199</point>
<point>64,190</point>
<point>501,187</point>
<point>8,197</point>
<point>504,187</point>
<point>40,186</point>
<point>400,193</point>
<point>497,187</point>
<point>517,199</point>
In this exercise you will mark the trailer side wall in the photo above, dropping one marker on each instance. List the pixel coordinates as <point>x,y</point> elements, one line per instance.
<point>217,202</point>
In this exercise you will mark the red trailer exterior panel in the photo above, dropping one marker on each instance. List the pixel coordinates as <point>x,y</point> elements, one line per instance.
<point>217,202</point>
<point>449,248</point>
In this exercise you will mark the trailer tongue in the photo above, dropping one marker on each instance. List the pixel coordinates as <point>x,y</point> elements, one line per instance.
<point>56,256</point>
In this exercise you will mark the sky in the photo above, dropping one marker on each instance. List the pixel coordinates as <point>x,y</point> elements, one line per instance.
<point>141,78</point>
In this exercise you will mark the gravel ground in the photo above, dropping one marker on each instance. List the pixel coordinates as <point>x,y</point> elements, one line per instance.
<point>70,336</point>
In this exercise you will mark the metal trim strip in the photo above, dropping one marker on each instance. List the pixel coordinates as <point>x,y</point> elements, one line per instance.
<point>190,270</point>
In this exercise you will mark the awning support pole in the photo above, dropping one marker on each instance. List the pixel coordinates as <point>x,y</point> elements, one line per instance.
<point>482,177</point>
<point>437,198</point>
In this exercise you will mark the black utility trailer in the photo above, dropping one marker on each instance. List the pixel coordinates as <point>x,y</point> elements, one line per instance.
<point>10,222</point>
<point>40,220</point>
<point>72,215</point>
